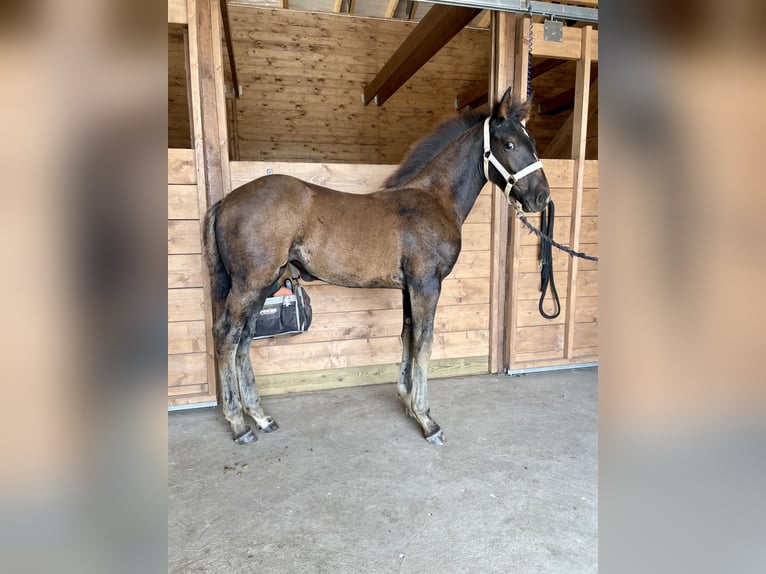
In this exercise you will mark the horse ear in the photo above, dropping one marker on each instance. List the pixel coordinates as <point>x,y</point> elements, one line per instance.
<point>507,107</point>
<point>502,108</point>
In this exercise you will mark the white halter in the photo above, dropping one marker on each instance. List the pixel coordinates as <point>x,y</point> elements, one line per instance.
<point>510,178</point>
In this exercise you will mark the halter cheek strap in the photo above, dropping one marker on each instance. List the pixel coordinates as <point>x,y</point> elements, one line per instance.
<point>510,178</point>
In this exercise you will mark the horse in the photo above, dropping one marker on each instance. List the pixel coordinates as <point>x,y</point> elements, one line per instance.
<point>405,236</point>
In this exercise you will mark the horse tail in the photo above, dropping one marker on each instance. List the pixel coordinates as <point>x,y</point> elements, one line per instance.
<point>220,281</point>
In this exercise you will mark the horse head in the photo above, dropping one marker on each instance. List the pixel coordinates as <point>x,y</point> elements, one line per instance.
<point>510,155</point>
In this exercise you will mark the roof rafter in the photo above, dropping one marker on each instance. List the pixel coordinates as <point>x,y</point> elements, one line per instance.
<point>440,24</point>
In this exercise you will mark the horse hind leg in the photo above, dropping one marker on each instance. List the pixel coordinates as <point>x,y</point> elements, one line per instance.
<point>227,333</point>
<point>251,401</point>
<point>404,385</point>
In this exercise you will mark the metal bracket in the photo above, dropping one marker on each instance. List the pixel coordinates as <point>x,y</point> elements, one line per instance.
<point>553,31</point>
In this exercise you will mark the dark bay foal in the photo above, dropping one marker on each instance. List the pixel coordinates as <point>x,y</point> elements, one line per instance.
<point>406,236</point>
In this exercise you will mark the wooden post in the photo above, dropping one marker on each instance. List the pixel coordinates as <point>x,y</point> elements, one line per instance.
<point>208,131</point>
<point>501,75</point>
<point>520,81</point>
<point>579,136</point>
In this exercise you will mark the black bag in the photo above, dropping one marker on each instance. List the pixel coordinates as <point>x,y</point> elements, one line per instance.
<point>285,315</point>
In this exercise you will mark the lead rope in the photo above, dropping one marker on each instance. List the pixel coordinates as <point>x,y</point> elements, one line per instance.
<point>546,225</point>
<point>546,265</point>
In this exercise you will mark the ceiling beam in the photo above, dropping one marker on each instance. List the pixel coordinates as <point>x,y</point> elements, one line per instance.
<point>440,24</point>
<point>546,66</point>
<point>473,96</point>
<point>230,46</point>
<point>476,94</point>
<point>527,7</point>
<point>558,103</point>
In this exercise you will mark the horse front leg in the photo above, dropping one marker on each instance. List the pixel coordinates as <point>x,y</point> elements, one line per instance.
<point>423,310</point>
<point>251,401</point>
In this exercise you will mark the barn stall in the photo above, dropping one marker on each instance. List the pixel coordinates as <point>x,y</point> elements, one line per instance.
<point>335,93</point>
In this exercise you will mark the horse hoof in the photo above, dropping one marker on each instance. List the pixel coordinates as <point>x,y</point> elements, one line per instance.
<point>271,427</point>
<point>246,437</point>
<point>437,438</point>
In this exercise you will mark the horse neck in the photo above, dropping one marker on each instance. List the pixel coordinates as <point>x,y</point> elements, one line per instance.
<point>459,169</point>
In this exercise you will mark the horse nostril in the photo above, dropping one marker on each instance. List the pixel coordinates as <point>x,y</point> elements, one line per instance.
<point>543,198</point>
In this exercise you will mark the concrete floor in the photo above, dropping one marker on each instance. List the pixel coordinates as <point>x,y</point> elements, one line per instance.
<point>348,484</point>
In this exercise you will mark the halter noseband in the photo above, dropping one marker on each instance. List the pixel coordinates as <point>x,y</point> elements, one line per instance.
<point>510,178</point>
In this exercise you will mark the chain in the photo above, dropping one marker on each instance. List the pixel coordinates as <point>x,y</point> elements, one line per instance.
<point>529,54</point>
<point>532,229</point>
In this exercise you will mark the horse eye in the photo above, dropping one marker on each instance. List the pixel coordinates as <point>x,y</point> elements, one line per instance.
<point>510,145</point>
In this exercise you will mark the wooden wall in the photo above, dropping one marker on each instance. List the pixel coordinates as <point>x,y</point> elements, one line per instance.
<point>534,340</point>
<point>354,338</point>
<point>179,132</point>
<point>188,358</point>
<point>302,76</point>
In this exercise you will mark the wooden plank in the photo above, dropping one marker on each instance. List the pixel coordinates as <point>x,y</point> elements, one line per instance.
<point>185,271</point>
<point>529,313</point>
<point>350,178</point>
<point>181,166</point>
<point>186,337</point>
<point>585,337</point>
<point>472,264</point>
<point>326,298</point>
<point>570,48</point>
<point>177,12</point>
<point>182,202</point>
<point>187,369</point>
<point>391,8</point>
<point>549,359</point>
<point>188,389</point>
<point>185,305</point>
<point>579,134</point>
<point>504,28</point>
<point>368,375</point>
<point>587,310</point>
<point>191,399</point>
<point>359,352</point>
<point>520,86</point>
<point>529,285</point>
<point>230,46</point>
<point>205,89</point>
<point>545,66</point>
<point>473,96</point>
<point>184,236</point>
<point>539,338</point>
<point>371,324</point>
<point>437,27</point>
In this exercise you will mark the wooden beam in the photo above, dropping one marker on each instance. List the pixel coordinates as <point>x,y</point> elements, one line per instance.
<point>501,74</point>
<point>579,135</point>
<point>570,47</point>
<point>391,8</point>
<point>437,27</point>
<point>486,19</point>
<point>473,96</point>
<point>546,66</point>
<point>561,145</point>
<point>177,13</point>
<point>520,76</point>
<point>208,131</point>
<point>558,103</point>
<point>230,46</point>
<point>412,8</point>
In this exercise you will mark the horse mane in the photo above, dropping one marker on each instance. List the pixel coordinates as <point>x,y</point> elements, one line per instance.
<point>422,152</point>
